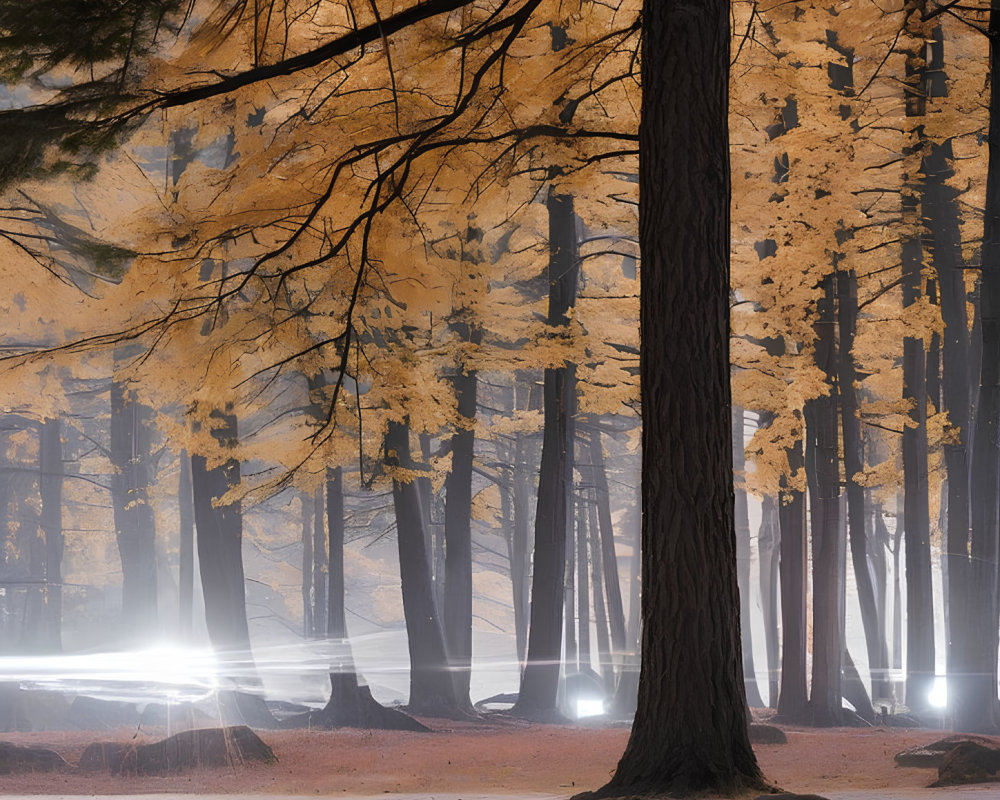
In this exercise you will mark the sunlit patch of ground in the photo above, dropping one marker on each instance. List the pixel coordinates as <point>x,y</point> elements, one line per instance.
<point>509,759</point>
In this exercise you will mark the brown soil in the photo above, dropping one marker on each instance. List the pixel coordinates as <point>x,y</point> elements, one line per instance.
<point>478,758</point>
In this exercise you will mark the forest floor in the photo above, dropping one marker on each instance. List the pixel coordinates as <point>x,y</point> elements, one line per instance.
<point>495,758</point>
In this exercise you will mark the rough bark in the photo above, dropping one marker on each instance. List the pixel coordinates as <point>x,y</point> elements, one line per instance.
<point>978,706</point>
<point>690,731</point>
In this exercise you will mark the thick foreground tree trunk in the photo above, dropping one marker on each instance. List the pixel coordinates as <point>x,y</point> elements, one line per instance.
<point>690,730</point>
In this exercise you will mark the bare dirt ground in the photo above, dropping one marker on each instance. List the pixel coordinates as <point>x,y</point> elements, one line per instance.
<point>504,757</point>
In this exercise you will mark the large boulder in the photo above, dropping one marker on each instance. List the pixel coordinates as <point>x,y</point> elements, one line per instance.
<point>766,734</point>
<point>14,758</point>
<point>968,762</point>
<point>205,747</point>
<point>932,755</point>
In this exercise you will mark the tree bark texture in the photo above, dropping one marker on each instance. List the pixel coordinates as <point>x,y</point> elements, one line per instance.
<point>690,730</point>
<point>978,703</point>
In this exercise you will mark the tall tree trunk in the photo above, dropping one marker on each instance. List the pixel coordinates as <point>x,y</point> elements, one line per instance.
<point>350,705</point>
<point>824,495</point>
<point>185,524</point>
<point>135,525</point>
<point>540,679</point>
<point>50,487</point>
<point>458,525</point>
<point>220,560</point>
<point>612,582</point>
<point>432,690</point>
<point>847,314</point>
<point>308,509</point>
<point>690,729</point>
<point>583,512</point>
<point>793,698</point>
<point>604,659</point>
<point>519,544</point>
<point>319,560</point>
<point>977,703</point>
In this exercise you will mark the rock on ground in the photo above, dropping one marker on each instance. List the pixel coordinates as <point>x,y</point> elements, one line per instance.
<point>14,758</point>
<point>206,747</point>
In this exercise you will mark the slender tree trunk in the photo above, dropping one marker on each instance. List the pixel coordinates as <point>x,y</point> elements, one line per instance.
<point>612,582</point>
<point>50,487</point>
<point>847,313</point>
<point>824,496</point>
<point>604,659</point>
<point>185,516</point>
<point>308,509</point>
<point>432,690</point>
<point>519,546</point>
<point>540,679</point>
<point>583,510</point>
<point>458,526</point>
<point>319,560</point>
<point>135,525</point>
<point>220,559</point>
<point>793,699</point>
<point>350,704</point>
<point>690,730</point>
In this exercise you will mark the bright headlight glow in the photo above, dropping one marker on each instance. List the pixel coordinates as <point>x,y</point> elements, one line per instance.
<point>589,708</point>
<point>938,695</point>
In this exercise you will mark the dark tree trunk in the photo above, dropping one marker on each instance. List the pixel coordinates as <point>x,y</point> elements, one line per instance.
<point>742,522</point>
<point>319,561</point>
<point>583,512</point>
<point>458,526</point>
<point>220,560</point>
<point>612,582</point>
<point>520,545</point>
<point>604,659</point>
<point>50,486</point>
<point>571,654</point>
<point>308,510</point>
<point>690,730</point>
<point>540,679</point>
<point>977,709</point>
<point>793,700</point>
<point>855,691</point>
<point>432,690</point>
<point>351,705</point>
<point>135,525</point>
<point>824,496</point>
<point>185,576</point>
<point>847,313</point>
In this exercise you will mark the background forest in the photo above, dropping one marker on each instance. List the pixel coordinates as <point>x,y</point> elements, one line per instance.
<point>322,328</point>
